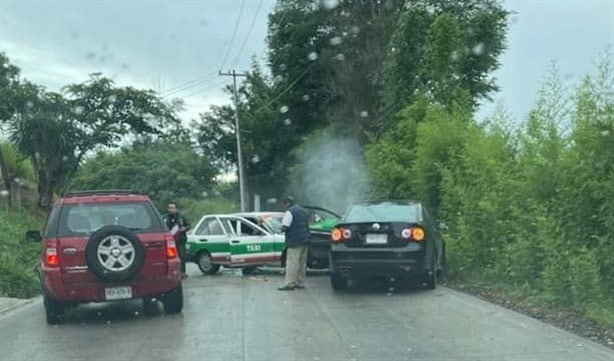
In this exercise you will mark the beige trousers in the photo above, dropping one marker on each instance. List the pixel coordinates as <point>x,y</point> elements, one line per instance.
<point>296,265</point>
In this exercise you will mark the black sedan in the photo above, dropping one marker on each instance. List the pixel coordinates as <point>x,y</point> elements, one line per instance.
<point>391,239</point>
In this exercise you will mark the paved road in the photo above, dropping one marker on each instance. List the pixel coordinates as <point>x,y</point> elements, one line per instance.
<point>230,317</point>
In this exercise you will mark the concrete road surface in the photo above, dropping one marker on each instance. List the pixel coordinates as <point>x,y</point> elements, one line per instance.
<point>230,317</point>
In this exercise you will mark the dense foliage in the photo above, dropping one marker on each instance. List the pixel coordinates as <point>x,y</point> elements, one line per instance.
<point>530,206</point>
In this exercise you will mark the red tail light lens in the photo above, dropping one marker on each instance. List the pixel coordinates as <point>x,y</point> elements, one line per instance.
<point>417,234</point>
<point>336,235</point>
<point>51,253</point>
<point>171,247</point>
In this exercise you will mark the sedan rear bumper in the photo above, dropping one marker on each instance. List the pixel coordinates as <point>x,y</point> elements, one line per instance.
<point>368,264</point>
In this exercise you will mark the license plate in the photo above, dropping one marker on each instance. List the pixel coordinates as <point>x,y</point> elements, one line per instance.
<point>118,293</point>
<point>377,238</point>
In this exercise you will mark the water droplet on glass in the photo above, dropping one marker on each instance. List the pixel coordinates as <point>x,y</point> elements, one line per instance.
<point>108,322</point>
<point>352,346</point>
<point>112,99</point>
<point>136,313</point>
<point>78,109</point>
<point>37,155</point>
<point>344,34</point>
<point>355,29</point>
<point>255,159</point>
<point>312,56</point>
<point>409,349</point>
<point>478,49</point>
<point>4,193</point>
<point>605,133</point>
<point>284,109</point>
<point>29,105</point>
<point>364,113</point>
<point>340,57</point>
<point>99,313</point>
<point>65,158</point>
<point>454,56</point>
<point>306,97</point>
<point>205,194</point>
<point>336,40</point>
<point>329,4</point>
<point>287,121</point>
<point>154,299</point>
<point>282,67</point>
<point>271,200</point>
<point>278,78</point>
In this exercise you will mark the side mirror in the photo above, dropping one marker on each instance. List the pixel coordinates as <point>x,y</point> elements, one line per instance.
<point>34,236</point>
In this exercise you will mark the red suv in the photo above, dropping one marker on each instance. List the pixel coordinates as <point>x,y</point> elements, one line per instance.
<point>103,246</point>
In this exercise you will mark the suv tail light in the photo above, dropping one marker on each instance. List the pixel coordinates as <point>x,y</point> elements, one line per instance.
<point>171,247</point>
<point>51,253</point>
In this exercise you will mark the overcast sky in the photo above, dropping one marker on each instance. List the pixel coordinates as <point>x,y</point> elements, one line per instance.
<point>167,44</point>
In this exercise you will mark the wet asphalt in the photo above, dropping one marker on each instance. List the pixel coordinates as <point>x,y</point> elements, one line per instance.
<point>234,317</point>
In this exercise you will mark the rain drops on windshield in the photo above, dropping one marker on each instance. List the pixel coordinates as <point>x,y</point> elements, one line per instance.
<point>287,121</point>
<point>312,56</point>
<point>336,40</point>
<point>478,49</point>
<point>284,109</point>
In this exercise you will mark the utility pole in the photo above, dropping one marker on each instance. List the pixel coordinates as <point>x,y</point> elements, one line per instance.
<point>242,191</point>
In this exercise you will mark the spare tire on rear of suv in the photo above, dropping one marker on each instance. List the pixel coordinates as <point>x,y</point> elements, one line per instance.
<point>114,253</point>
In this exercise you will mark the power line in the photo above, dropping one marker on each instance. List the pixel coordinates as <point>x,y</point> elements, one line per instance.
<point>181,86</point>
<point>205,88</point>
<point>249,32</point>
<point>298,78</point>
<point>234,34</point>
<point>193,83</point>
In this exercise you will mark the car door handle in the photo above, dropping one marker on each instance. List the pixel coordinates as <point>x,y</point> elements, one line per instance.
<point>235,242</point>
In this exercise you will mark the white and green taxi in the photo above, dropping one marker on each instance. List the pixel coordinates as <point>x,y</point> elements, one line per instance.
<point>243,240</point>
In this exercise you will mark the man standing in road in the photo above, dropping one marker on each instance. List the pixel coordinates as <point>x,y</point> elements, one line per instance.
<point>179,227</point>
<point>296,227</point>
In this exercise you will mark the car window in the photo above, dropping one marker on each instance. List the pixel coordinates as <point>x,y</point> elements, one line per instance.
<point>87,218</point>
<point>210,227</point>
<point>246,229</point>
<point>383,212</point>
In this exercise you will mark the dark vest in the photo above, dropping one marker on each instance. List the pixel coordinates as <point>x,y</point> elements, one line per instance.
<point>298,232</point>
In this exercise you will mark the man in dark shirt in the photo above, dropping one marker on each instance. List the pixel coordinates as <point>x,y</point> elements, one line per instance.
<point>296,227</point>
<point>179,226</point>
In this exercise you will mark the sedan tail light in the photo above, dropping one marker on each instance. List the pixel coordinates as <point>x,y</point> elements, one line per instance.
<point>415,234</point>
<point>341,234</point>
<point>171,247</point>
<point>51,253</point>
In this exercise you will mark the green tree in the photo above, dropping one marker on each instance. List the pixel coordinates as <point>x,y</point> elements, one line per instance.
<point>441,47</point>
<point>164,170</point>
<point>57,130</point>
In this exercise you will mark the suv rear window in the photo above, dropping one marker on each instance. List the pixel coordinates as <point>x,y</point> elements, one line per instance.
<point>383,212</point>
<point>87,218</point>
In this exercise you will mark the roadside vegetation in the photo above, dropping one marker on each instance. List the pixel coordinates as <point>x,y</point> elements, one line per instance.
<point>346,109</point>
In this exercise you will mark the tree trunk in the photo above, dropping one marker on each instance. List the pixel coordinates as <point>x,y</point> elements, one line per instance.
<point>45,191</point>
<point>5,177</point>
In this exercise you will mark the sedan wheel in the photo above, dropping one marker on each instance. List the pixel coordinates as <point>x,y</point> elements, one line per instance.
<point>206,265</point>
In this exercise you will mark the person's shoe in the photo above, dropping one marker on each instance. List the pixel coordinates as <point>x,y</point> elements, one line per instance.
<point>286,288</point>
<point>300,287</point>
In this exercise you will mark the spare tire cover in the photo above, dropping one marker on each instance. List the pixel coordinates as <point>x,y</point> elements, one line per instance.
<point>114,253</point>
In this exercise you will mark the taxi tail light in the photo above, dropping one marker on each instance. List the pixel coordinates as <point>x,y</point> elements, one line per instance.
<point>51,253</point>
<point>171,247</point>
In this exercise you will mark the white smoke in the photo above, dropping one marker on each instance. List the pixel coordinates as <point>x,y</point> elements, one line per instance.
<point>330,172</point>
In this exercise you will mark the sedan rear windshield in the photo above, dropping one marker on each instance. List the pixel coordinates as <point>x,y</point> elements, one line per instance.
<point>383,212</point>
<point>84,219</point>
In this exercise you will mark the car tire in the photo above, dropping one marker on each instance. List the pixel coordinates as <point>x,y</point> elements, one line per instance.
<point>54,310</point>
<point>430,279</point>
<point>173,301</point>
<point>127,236</point>
<point>150,306</point>
<point>205,263</point>
<point>338,283</point>
<point>246,271</point>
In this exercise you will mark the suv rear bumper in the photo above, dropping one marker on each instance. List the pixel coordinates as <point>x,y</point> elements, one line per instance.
<point>77,292</point>
<point>363,263</point>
